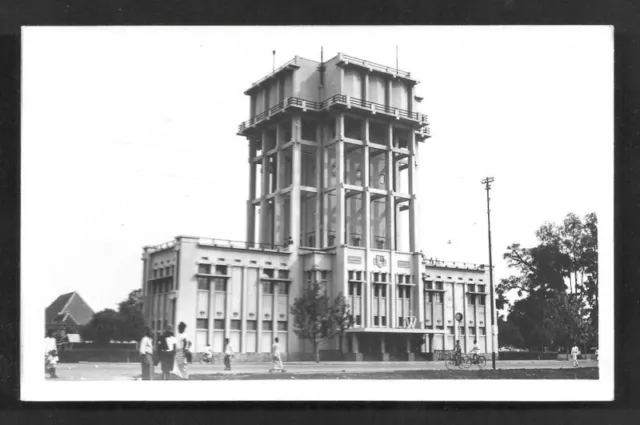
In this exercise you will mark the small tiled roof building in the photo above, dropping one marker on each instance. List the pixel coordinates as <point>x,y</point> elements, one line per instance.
<point>68,311</point>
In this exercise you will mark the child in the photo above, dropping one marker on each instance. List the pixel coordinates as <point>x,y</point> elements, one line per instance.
<point>228,354</point>
<point>575,352</point>
<point>275,355</point>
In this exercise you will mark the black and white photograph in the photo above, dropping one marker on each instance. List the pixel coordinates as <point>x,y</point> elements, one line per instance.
<point>317,213</point>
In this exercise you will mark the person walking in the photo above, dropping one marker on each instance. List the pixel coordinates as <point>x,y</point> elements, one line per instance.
<point>146,355</point>
<point>167,352</point>
<point>50,354</point>
<point>575,352</point>
<point>183,353</point>
<point>228,354</point>
<point>276,358</point>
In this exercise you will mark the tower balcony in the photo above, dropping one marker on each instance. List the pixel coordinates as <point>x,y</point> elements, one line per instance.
<point>337,102</point>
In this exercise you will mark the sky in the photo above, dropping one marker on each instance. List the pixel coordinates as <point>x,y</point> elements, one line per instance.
<point>129,138</point>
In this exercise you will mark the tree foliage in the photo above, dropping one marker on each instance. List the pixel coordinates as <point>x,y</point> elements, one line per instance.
<point>126,324</point>
<point>556,282</point>
<point>317,318</point>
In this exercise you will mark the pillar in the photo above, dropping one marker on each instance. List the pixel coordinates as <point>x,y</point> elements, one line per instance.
<point>243,311</point>
<point>465,319</point>
<point>319,185</point>
<point>294,216</point>
<point>413,191</point>
<point>259,313</point>
<point>264,216</point>
<point>340,204</point>
<point>391,204</point>
<point>211,313</point>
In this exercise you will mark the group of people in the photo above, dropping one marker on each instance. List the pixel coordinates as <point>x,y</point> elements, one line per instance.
<point>171,351</point>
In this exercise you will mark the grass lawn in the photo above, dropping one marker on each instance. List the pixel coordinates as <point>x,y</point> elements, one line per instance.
<point>578,373</point>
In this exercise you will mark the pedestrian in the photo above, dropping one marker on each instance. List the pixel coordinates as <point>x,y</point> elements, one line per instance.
<point>575,352</point>
<point>50,354</point>
<point>458,352</point>
<point>167,352</point>
<point>276,358</point>
<point>228,354</point>
<point>146,355</point>
<point>183,353</point>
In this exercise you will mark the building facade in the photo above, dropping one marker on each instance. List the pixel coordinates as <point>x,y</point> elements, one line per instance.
<point>333,197</point>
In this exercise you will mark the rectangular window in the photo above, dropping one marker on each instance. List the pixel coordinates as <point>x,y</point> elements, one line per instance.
<point>376,321</point>
<point>282,326</point>
<point>332,240</point>
<point>472,331</point>
<point>359,275</point>
<point>202,324</point>
<point>204,268</point>
<point>252,325</point>
<point>311,241</point>
<point>235,325</point>
<point>461,330</point>
<point>482,300</point>
<point>483,330</point>
<point>383,320</point>
<point>450,330</point>
<point>267,288</point>
<point>358,320</point>
<point>429,285</point>
<point>267,325</point>
<point>283,288</point>
<point>154,273</point>
<point>204,284</point>
<point>222,270</point>
<point>283,274</point>
<point>324,274</point>
<point>481,288</point>
<point>380,243</point>
<point>439,285</point>
<point>471,288</point>
<point>221,285</point>
<point>429,297</point>
<point>160,272</point>
<point>218,324</point>
<point>439,297</point>
<point>355,240</point>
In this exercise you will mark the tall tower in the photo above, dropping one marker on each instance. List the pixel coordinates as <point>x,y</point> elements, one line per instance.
<point>334,169</point>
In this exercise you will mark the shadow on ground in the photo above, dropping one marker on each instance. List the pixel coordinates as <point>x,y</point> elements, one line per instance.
<point>579,373</point>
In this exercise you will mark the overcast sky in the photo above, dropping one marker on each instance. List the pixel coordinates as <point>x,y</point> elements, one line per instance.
<point>128,137</point>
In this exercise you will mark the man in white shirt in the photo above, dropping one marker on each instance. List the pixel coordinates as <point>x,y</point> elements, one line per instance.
<point>228,354</point>
<point>575,352</point>
<point>275,355</point>
<point>50,354</point>
<point>146,356</point>
<point>475,350</point>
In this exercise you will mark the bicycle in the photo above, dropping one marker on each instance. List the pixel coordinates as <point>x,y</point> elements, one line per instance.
<point>477,360</point>
<point>454,361</point>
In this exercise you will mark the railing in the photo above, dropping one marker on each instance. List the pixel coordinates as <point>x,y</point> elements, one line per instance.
<point>161,247</point>
<point>293,61</point>
<point>453,264</point>
<point>337,99</point>
<point>376,66</point>
<point>226,243</point>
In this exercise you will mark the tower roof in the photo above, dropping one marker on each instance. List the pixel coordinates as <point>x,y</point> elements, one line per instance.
<point>71,306</point>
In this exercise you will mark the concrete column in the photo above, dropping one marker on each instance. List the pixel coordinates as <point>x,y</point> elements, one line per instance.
<point>243,312</point>
<point>411,93</point>
<point>453,304</point>
<point>274,315</point>
<point>264,215</point>
<point>251,212</point>
<point>393,289</point>
<point>465,319</point>
<point>319,185</point>
<point>211,313</point>
<point>367,316</point>
<point>259,313</point>
<point>419,288</point>
<point>296,181</point>
<point>391,205</point>
<point>227,302</point>
<point>355,346</point>
<point>340,201</point>
<point>365,87</point>
<point>413,190</point>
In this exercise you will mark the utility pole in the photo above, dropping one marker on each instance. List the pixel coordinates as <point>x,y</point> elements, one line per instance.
<point>487,184</point>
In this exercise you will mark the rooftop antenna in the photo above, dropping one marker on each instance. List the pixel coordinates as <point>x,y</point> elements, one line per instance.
<point>274,61</point>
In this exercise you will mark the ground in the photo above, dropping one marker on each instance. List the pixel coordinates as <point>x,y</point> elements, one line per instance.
<point>542,369</point>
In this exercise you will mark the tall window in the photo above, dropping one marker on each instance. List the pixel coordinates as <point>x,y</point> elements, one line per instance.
<point>204,268</point>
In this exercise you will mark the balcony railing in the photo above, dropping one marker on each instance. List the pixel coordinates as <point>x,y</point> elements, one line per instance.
<point>161,247</point>
<point>375,66</point>
<point>293,61</point>
<point>226,243</point>
<point>453,264</point>
<point>338,99</point>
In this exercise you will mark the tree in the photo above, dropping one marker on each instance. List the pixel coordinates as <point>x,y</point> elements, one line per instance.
<point>312,316</point>
<point>509,334</point>
<point>103,327</point>
<point>132,323</point>
<point>341,317</point>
